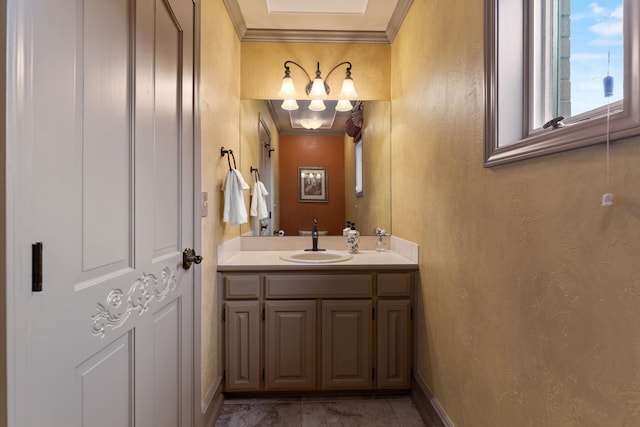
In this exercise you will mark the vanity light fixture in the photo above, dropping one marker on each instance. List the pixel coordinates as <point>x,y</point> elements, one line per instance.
<point>317,89</point>
<point>311,175</point>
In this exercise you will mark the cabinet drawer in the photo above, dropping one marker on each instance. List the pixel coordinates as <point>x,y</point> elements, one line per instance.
<point>318,286</point>
<point>246,286</point>
<point>394,284</point>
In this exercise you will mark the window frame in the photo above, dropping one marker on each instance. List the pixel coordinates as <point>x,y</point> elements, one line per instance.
<point>507,99</point>
<point>358,160</point>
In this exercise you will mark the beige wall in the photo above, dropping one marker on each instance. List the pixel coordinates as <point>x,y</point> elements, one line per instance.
<point>219,110</point>
<point>373,208</point>
<point>530,289</point>
<point>263,67</point>
<point>250,113</point>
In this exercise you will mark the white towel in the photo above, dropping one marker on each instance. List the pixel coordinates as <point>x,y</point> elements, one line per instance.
<point>235,210</point>
<point>259,201</point>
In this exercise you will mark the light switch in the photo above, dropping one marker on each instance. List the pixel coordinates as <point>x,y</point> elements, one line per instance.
<point>205,204</point>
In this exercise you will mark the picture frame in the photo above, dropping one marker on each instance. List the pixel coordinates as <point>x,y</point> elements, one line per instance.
<point>312,184</point>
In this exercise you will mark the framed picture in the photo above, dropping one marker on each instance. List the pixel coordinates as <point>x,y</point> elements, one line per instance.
<point>312,184</point>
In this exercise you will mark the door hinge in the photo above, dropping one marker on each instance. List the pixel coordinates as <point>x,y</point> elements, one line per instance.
<point>224,375</point>
<point>263,375</point>
<point>36,267</point>
<point>373,373</point>
<point>263,315</point>
<point>224,314</point>
<point>373,313</point>
<point>411,313</point>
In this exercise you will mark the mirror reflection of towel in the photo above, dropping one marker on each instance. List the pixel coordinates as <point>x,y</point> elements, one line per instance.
<point>235,210</point>
<point>258,201</point>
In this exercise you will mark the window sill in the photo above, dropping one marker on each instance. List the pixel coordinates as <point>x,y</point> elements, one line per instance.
<point>572,136</point>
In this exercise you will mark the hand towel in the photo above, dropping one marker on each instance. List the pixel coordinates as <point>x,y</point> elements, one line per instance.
<point>235,210</point>
<point>258,201</point>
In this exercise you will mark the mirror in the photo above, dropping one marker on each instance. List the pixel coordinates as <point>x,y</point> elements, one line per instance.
<point>295,200</point>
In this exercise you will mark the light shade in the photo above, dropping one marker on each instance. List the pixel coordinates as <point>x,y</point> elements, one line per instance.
<point>348,90</point>
<point>318,90</point>
<point>317,105</point>
<point>289,105</point>
<point>344,105</point>
<point>287,90</point>
<point>311,123</point>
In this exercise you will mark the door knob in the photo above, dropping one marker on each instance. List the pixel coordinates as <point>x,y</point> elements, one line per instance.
<point>189,257</point>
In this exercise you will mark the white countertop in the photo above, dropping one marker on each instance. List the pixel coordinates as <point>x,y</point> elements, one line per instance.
<point>270,261</point>
<point>263,254</point>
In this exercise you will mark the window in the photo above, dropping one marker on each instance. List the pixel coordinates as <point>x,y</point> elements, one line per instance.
<point>547,58</point>
<point>358,167</point>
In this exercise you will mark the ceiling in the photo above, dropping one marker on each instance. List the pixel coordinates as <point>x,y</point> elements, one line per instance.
<point>290,122</point>
<point>316,21</point>
<point>327,21</point>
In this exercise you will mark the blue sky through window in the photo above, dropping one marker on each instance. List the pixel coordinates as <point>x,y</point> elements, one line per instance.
<point>596,29</point>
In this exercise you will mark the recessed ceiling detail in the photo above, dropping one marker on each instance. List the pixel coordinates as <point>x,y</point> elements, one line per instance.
<point>325,7</point>
<point>293,122</point>
<point>314,21</point>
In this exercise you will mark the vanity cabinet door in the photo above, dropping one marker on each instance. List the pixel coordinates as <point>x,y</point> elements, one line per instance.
<point>242,345</point>
<point>393,344</point>
<point>290,345</point>
<point>346,344</point>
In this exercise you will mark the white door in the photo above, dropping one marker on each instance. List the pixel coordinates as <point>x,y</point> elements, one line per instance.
<point>101,165</point>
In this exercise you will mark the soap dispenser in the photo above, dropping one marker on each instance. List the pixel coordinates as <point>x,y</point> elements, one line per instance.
<point>346,230</point>
<point>353,239</point>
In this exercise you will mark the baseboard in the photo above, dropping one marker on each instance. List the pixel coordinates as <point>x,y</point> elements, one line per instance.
<point>427,405</point>
<point>212,404</point>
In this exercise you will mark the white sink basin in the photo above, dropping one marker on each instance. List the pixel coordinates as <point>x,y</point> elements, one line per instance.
<point>319,257</point>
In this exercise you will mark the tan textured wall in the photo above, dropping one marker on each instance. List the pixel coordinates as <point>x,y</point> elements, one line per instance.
<point>219,110</point>
<point>373,208</point>
<point>531,290</point>
<point>250,113</point>
<point>263,67</point>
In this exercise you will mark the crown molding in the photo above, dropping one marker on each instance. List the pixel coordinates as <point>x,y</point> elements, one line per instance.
<point>317,36</point>
<point>233,9</point>
<point>397,18</point>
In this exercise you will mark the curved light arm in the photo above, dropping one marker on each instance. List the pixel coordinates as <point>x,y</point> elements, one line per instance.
<point>348,75</point>
<point>287,70</point>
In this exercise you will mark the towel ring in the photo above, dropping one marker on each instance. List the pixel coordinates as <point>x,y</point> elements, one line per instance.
<point>229,154</point>
<point>257,174</point>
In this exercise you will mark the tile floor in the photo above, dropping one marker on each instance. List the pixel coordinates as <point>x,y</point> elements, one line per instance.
<point>379,410</point>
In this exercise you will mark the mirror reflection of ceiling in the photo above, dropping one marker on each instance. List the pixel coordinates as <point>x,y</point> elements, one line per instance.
<point>331,122</point>
<point>347,21</point>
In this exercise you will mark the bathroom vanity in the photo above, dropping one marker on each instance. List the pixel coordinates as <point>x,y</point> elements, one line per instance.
<point>321,327</point>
